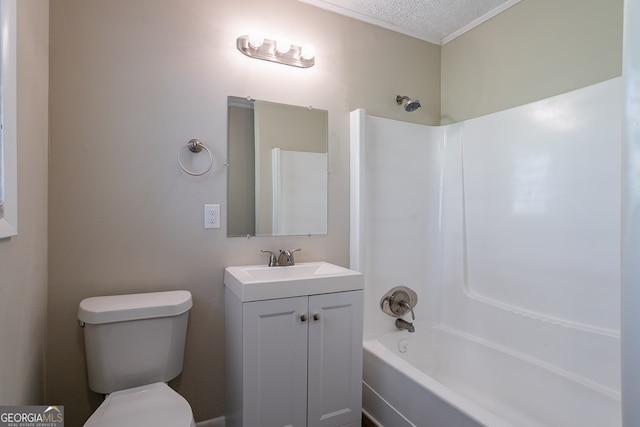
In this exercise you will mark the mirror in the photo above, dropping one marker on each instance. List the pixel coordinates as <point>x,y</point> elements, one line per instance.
<point>277,169</point>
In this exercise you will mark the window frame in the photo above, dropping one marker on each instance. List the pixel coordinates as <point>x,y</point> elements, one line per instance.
<point>8,142</point>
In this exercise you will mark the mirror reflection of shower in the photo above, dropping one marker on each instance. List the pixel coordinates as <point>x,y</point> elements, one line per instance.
<point>410,105</point>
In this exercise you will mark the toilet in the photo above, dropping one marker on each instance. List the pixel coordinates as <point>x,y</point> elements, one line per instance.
<point>134,345</point>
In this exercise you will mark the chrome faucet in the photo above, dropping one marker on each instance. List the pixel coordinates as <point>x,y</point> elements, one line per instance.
<point>403,324</point>
<point>286,257</point>
<point>272,258</point>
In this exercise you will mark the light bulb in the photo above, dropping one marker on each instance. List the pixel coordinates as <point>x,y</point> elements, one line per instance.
<point>308,51</point>
<point>283,46</point>
<point>256,40</point>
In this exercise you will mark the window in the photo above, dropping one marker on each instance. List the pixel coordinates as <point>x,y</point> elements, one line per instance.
<point>8,134</point>
<point>1,138</point>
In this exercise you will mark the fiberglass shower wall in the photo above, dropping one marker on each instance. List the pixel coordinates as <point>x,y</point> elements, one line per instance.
<point>395,198</point>
<point>507,226</point>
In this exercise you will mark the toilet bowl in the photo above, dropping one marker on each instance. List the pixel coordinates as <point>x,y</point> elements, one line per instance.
<point>134,345</point>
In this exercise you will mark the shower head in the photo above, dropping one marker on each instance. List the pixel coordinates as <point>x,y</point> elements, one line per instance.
<point>411,105</point>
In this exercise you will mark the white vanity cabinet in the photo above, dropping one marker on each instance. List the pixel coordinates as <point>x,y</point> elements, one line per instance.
<point>294,361</point>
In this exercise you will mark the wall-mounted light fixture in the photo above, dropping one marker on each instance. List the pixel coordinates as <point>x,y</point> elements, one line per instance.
<point>281,51</point>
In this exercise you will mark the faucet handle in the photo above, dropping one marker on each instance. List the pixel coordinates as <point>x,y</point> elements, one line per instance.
<point>272,257</point>
<point>286,257</point>
<point>291,254</point>
<point>399,301</point>
<point>407,307</point>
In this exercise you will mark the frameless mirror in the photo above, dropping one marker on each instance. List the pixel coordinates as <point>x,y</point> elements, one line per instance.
<point>277,169</point>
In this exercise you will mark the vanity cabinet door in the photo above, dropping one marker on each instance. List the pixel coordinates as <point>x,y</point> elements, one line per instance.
<point>274,386</point>
<point>335,359</point>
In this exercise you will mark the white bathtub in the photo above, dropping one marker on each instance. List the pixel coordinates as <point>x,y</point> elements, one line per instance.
<point>440,377</point>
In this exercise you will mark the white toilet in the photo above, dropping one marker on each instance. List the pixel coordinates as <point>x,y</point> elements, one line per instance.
<point>134,345</point>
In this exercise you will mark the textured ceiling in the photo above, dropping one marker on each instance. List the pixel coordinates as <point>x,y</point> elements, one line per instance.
<point>435,21</point>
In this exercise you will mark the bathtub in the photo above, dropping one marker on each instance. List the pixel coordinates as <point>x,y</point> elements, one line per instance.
<point>441,377</point>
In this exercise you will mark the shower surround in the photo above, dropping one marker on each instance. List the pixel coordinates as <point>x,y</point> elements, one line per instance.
<point>508,228</point>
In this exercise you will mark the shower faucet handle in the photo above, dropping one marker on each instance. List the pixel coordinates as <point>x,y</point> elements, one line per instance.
<point>407,307</point>
<point>399,301</point>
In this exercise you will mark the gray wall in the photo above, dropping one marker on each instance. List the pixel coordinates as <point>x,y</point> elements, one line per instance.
<point>131,83</point>
<point>23,258</point>
<point>533,50</point>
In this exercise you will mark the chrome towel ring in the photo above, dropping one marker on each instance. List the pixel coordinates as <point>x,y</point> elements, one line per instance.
<point>195,146</point>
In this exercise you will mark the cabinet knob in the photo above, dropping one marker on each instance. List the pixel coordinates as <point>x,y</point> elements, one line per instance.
<point>303,317</point>
<point>316,317</point>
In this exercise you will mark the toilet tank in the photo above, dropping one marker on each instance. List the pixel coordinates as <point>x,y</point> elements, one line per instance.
<point>133,340</point>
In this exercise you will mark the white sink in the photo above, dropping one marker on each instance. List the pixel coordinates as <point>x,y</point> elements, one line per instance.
<point>259,282</point>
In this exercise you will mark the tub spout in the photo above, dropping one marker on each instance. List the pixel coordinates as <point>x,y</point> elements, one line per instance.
<point>403,324</point>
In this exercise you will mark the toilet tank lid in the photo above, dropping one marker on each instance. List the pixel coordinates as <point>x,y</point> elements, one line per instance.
<point>121,308</point>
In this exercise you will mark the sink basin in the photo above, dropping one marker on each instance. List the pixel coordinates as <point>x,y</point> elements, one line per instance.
<point>258,282</point>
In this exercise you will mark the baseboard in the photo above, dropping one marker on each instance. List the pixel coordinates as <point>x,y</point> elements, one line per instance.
<point>213,422</point>
<point>219,422</point>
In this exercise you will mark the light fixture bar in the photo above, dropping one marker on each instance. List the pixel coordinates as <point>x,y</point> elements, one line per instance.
<point>267,51</point>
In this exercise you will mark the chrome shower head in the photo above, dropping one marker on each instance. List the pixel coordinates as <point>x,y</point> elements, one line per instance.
<point>411,105</point>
